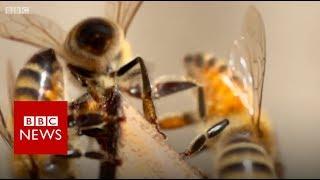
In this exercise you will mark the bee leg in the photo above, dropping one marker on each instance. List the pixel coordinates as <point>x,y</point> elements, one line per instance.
<point>147,102</point>
<point>102,156</point>
<point>77,76</point>
<point>202,104</point>
<point>279,168</point>
<point>200,141</point>
<point>170,87</point>
<point>161,89</point>
<point>102,125</point>
<point>76,104</point>
<point>109,141</point>
<point>71,154</point>
<point>95,155</point>
<point>177,120</point>
<point>109,144</point>
<point>82,105</point>
<point>34,171</point>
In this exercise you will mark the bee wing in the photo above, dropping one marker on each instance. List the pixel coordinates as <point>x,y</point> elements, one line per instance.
<point>31,29</point>
<point>4,132</point>
<point>10,81</point>
<point>123,12</point>
<point>4,129</point>
<point>248,58</point>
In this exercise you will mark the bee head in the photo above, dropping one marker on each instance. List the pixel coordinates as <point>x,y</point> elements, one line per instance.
<point>95,36</point>
<point>195,63</point>
<point>94,40</point>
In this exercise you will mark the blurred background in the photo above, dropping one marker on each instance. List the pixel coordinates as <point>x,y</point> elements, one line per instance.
<point>163,32</point>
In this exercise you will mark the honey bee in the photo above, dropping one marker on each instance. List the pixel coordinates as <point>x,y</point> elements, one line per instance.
<point>230,99</point>
<point>40,79</point>
<point>96,53</point>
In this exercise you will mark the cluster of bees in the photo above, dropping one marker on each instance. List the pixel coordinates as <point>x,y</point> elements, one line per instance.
<point>98,56</point>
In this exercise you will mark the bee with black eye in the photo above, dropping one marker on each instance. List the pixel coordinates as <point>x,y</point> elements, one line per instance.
<point>94,42</point>
<point>244,143</point>
<point>95,36</point>
<point>229,95</point>
<point>97,54</point>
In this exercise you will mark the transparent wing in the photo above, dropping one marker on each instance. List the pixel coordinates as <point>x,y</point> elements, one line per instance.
<point>4,132</point>
<point>31,29</point>
<point>10,82</point>
<point>248,58</point>
<point>123,12</point>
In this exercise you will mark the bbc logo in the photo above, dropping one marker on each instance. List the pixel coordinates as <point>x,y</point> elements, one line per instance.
<point>17,10</point>
<point>40,120</point>
<point>41,127</point>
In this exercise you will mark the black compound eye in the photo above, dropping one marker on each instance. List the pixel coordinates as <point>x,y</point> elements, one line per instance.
<point>188,59</point>
<point>212,61</point>
<point>95,36</point>
<point>198,59</point>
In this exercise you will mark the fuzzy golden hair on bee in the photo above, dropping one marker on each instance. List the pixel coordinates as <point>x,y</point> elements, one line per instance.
<point>125,54</point>
<point>229,105</point>
<point>268,138</point>
<point>220,83</point>
<point>90,51</point>
<point>197,65</point>
<point>94,42</point>
<point>242,150</point>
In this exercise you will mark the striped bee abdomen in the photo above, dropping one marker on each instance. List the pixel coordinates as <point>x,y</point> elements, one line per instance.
<point>41,78</point>
<point>242,158</point>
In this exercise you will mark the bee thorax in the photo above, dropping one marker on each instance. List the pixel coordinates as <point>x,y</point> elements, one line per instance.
<point>105,81</point>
